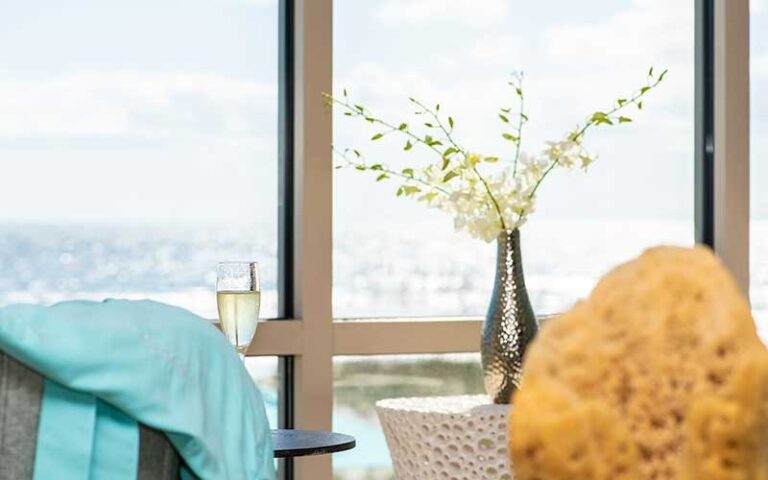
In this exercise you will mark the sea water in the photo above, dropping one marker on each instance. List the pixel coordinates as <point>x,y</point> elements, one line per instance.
<point>400,272</point>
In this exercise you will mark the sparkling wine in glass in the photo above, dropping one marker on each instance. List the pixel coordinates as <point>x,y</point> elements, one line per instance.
<point>239,297</point>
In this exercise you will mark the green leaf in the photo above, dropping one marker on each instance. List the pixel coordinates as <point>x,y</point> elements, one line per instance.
<point>339,167</point>
<point>450,175</point>
<point>621,101</point>
<point>661,77</point>
<point>509,136</point>
<point>408,145</point>
<point>449,151</point>
<point>345,92</point>
<point>650,72</point>
<point>359,108</point>
<point>519,91</point>
<point>381,177</point>
<point>360,167</point>
<point>376,167</point>
<point>524,116</point>
<point>491,159</point>
<point>403,126</point>
<point>505,110</point>
<point>437,107</point>
<point>601,118</point>
<point>348,114</point>
<point>370,119</point>
<point>428,196</point>
<point>410,189</point>
<point>503,118</point>
<point>450,122</point>
<point>408,171</point>
<point>446,162</point>
<point>377,136</point>
<point>399,191</point>
<point>357,153</point>
<point>428,125</point>
<point>644,89</point>
<point>639,105</point>
<point>624,119</point>
<point>427,139</point>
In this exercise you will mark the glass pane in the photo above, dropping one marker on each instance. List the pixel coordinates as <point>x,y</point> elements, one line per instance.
<point>138,146</point>
<point>395,258</point>
<point>759,169</point>
<point>264,372</point>
<point>360,381</point>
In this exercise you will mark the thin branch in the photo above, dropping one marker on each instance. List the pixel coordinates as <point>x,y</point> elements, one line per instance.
<point>464,153</point>
<point>368,116</point>
<point>441,126</point>
<point>575,137</point>
<point>389,171</point>
<point>519,125</point>
<point>619,106</point>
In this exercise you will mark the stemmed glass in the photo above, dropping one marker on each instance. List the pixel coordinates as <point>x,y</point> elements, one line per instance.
<point>239,297</point>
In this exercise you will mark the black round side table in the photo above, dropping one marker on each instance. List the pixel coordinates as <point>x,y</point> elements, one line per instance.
<point>302,443</point>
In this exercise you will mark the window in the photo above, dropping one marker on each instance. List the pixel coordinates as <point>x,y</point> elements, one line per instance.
<point>759,168</point>
<point>141,138</point>
<point>264,372</point>
<point>359,382</point>
<point>142,160</point>
<point>393,258</point>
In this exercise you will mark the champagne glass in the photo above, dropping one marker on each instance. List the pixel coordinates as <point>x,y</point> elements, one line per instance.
<point>238,297</point>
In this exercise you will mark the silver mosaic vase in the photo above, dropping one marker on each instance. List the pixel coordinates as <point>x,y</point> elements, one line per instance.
<point>510,324</point>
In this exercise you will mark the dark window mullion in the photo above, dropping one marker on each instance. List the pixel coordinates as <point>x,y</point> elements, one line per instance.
<point>286,213</point>
<point>705,123</point>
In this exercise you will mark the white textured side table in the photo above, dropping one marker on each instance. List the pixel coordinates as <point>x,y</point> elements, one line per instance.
<point>461,437</point>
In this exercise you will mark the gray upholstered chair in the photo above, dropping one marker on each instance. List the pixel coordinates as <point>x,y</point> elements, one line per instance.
<point>20,397</point>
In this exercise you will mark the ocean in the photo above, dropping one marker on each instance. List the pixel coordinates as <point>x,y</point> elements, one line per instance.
<point>423,270</point>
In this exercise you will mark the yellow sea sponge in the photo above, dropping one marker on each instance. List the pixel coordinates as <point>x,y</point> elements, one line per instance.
<point>658,375</point>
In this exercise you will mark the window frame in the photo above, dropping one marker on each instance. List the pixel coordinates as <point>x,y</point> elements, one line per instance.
<point>307,337</point>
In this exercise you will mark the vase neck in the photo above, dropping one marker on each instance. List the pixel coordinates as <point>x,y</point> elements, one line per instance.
<point>508,253</point>
<point>509,242</point>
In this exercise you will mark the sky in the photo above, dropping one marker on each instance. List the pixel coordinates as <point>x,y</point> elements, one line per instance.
<point>166,111</point>
<point>138,111</point>
<point>577,58</point>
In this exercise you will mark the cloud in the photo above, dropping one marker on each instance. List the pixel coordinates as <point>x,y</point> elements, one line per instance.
<point>649,32</point>
<point>574,65</point>
<point>131,105</point>
<point>490,50</point>
<point>572,69</point>
<point>474,12</point>
<point>595,61</point>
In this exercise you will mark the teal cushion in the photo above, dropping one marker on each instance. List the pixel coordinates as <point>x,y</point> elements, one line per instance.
<point>20,398</point>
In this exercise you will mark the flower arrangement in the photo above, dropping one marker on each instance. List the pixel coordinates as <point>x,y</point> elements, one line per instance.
<point>486,194</point>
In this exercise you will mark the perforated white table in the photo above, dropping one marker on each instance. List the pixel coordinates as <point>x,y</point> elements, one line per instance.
<point>458,437</point>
